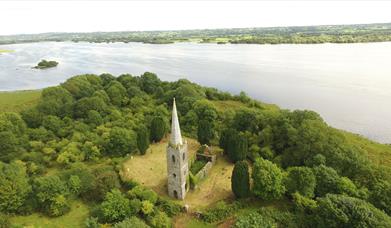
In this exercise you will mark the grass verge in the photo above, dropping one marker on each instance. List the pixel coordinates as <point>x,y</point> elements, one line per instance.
<point>18,100</point>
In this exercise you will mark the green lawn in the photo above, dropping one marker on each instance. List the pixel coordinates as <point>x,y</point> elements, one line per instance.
<point>75,218</point>
<point>18,100</point>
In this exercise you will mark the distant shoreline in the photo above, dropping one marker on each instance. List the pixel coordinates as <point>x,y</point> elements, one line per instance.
<point>356,33</point>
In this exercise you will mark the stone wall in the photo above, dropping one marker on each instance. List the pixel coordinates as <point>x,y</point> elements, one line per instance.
<point>203,173</point>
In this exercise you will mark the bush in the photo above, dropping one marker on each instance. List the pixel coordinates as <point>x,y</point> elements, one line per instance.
<point>240,180</point>
<point>50,192</point>
<point>303,204</point>
<point>131,222</point>
<point>146,207</point>
<point>344,211</point>
<point>59,206</point>
<point>121,142</point>
<point>381,196</point>
<point>135,206</point>
<point>301,180</point>
<point>105,180</point>
<point>91,222</point>
<point>220,211</point>
<point>115,207</point>
<point>197,166</point>
<point>254,220</point>
<point>14,186</point>
<point>159,219</point>
<point>129,184</point>
<point>169,207</point>
<point>4,221</point>
<point>268,180</point>
<point>143,193</point>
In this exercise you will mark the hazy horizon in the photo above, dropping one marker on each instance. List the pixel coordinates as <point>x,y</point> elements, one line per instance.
<point>36,17</point>
<point>113,31</point>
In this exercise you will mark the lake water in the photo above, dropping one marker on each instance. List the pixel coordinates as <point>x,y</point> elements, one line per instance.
<point>348,84</point>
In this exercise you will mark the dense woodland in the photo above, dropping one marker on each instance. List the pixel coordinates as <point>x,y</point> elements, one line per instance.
<point>71,144</point>
<point>273,35</point>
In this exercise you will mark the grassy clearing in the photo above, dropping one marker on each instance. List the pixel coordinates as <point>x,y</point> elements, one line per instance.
<point>227,105</point>
<point>18,100</point>
<point>151,171</point>
<point>151,168</point>
<point>75,218</point>
<point>378,153</point>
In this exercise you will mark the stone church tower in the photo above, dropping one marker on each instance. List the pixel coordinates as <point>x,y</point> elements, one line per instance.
<point>177,160</point>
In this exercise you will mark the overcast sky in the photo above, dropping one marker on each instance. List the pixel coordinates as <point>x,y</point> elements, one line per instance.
<point>18,17</point>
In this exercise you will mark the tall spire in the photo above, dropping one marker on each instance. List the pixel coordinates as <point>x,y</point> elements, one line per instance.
<point>176,138</point>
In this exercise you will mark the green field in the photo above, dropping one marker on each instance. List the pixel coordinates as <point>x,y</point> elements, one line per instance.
<point>5,51</point>
<point>18,100</point>
<point>75,218</point>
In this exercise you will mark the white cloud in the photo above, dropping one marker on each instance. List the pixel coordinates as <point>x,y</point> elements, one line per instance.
<point>85,16</point>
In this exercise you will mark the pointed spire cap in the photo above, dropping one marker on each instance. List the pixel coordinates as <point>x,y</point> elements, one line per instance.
<point>176,137</point>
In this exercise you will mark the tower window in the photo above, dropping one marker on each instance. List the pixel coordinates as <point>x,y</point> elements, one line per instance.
<point>184,156</point>
<point>174,175</point>
<point>173,158</point>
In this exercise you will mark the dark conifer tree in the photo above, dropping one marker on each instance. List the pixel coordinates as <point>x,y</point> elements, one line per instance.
<point>205,132</point>
<point>240,180</point>
<point>158,128</point>
<point>142,140</point>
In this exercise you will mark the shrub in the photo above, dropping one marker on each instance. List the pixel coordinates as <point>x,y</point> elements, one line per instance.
<point>135,206</point>
<point>58,206</point>
<point>303,204</point>
<point>146,207</point>
<point>115,207</point>
<point>197,166</point>
<point>254,220</point>
<point>268,180</point>
<point>159,219</point>
<point>344,211</point>
<point>14,186</point>
<point>381,196</point>
<point>4,221</point>
<point>301,180</point>
<point>143,193</point>
<point>240,180</point>
<point>220,211</point>
<point>131,222</point>
<point>169,207</point>
<point>91,222</point>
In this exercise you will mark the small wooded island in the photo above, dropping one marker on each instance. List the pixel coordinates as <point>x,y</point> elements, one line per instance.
<point>44,64</point>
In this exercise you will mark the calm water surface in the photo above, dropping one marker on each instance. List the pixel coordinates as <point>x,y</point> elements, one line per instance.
<point>348,84</point>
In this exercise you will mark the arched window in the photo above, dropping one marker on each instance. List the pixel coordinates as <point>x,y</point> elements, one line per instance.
<point>184,172</point>
<point>173,158</point>
<point>174,175</point>
<point>184,156</point>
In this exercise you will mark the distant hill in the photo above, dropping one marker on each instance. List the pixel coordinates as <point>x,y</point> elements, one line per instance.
<point>266,35</point>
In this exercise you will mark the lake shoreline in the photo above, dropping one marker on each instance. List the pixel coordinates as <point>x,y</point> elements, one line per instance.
<point>348,84</point>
